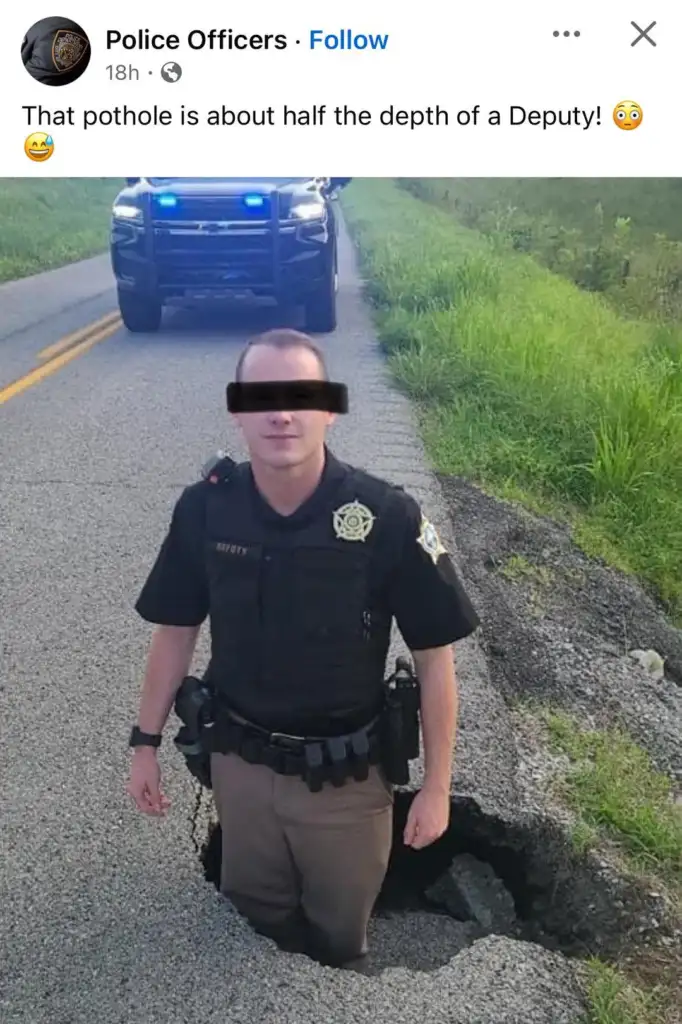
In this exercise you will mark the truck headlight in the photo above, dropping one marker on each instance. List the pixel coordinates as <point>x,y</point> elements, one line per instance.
<point>309,209</point>
<point>126,211</point>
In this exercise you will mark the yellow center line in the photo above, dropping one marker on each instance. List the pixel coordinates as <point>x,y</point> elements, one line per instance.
<point>76,336</point>
<point>91,339</point>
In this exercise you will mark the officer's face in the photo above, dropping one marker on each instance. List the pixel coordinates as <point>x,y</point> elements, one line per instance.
<point>281,438</point>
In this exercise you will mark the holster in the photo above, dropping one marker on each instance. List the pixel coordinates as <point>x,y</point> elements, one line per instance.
<point>194,708</point>
<point>400,723</point>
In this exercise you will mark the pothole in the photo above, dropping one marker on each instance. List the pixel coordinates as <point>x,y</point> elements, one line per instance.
<point>483,877</point>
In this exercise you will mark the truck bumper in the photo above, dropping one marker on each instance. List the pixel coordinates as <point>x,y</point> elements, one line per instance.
<point>185,260</point>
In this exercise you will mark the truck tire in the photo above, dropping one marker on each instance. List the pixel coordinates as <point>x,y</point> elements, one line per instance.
<point>320,306</point>
<point>140,313</point>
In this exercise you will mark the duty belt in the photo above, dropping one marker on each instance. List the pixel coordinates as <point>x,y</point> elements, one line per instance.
<point>315,759</point>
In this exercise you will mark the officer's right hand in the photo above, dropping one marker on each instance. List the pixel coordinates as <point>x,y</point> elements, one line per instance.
<point>144,785</point>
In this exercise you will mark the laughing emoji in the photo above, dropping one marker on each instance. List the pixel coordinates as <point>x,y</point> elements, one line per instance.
<point>628,115</point>
<point>39,147</point>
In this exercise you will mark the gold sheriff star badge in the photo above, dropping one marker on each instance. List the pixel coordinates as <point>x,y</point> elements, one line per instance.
<point>430,541</point>
<point>353,521</point>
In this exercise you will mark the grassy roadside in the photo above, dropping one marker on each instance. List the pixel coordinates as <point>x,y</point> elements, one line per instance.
<point>539,390</point>
<point>527,384</point>
<point>619,237</point>
<point>630,995</point>
<point>617,794</point>
<point>49,222</point>
<point>620,798</point>
<point>652,205</point>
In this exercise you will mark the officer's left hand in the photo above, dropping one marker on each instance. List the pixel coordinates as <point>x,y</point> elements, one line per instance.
<point>428,818</point>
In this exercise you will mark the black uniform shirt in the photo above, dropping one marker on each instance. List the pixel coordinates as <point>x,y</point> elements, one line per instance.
<point>424,593</point>
<point>425,596</point>
<point>409,577</point>
<point>55,51</point>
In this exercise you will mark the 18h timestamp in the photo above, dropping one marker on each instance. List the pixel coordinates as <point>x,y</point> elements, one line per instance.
<point>123,73</point>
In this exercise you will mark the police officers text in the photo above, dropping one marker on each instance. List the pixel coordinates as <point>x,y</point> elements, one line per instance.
<point>197,39</point>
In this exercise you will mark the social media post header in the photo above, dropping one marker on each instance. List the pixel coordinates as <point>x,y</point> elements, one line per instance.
<point>372,91</point>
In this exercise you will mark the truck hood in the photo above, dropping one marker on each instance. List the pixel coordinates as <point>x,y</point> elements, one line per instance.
<point>222,186</point>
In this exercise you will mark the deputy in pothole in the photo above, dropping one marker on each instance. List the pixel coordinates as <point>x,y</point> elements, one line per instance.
<point>301,562</point>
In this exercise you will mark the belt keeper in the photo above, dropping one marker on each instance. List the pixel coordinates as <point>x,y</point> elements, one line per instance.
<point>233,737</point>
<point>360,744</point>
<point>339,760</point>
<point>313,772</point>
<point>271,758</point>
<point>375,750</point>
<point>292,764</point>
<point>250,750</point>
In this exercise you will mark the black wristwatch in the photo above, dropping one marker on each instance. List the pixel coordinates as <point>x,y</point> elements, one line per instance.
<point>144,739</point>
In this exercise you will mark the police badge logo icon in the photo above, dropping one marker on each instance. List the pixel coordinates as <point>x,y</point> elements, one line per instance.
<point>55,51</point>
<point>430,541</point>
<point>353,521</point>
<point>68,49</point>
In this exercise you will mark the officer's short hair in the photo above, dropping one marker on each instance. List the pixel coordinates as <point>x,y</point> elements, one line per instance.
<point>282,338</point>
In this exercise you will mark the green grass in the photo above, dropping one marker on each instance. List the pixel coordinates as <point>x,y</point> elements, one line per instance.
<point>618,236</point>
<point>530,386</point>
<point>49,222</point>
<point>618,796</point>
<point>654,205</point>
<point>614,998</point>
<point>617,793</point>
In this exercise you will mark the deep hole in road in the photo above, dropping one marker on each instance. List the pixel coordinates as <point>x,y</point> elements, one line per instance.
<point>482,877</point>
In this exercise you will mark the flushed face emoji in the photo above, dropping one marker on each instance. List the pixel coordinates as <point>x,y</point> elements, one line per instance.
<point>39,147</point>
<point>628,115</point>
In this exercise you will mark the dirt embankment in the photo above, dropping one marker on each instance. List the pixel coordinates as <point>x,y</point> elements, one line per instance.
<point>563,628</point>
<point>594,857</point>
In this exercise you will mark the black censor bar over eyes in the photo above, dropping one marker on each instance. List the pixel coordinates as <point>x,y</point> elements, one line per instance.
<point>265,396</point>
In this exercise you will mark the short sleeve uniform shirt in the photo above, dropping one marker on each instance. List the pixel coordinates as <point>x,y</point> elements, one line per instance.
<point>419,581</point>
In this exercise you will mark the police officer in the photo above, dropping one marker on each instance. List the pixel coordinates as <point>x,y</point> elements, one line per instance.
<point>55,51</point>
<point>301,562</point>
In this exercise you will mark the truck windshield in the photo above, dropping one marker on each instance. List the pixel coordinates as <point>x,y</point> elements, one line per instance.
<point>165,181</point>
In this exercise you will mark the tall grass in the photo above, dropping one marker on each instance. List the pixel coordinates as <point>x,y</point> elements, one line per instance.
<point>48,222</point>
<point>621,237</point>
<point>529,384</point>
<point>614,787</point>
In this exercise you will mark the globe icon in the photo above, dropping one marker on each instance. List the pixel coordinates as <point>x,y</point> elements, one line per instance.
<point>171,72</point>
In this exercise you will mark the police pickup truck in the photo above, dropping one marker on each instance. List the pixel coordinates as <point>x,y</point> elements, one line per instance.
<point>177,241</point>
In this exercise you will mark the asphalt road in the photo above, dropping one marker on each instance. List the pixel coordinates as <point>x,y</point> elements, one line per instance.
<point>105,914</point>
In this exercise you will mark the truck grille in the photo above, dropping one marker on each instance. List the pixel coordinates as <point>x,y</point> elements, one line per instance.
<point>216,208</point>
<point>214,260</point>
<point>219,243</point>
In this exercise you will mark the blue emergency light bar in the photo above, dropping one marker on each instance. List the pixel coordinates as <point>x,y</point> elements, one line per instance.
<point>252,200</point>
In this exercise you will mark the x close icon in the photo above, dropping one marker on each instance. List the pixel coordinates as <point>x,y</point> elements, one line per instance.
<point>643,33</point>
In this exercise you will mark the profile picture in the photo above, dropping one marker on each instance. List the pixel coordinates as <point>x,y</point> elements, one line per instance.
<point>55,51</point>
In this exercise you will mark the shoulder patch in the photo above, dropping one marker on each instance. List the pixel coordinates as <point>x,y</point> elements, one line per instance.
<point>429,540</point>
<point>68,49</point>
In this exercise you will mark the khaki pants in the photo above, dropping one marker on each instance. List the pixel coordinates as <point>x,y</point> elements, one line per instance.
<point>304,868</point>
